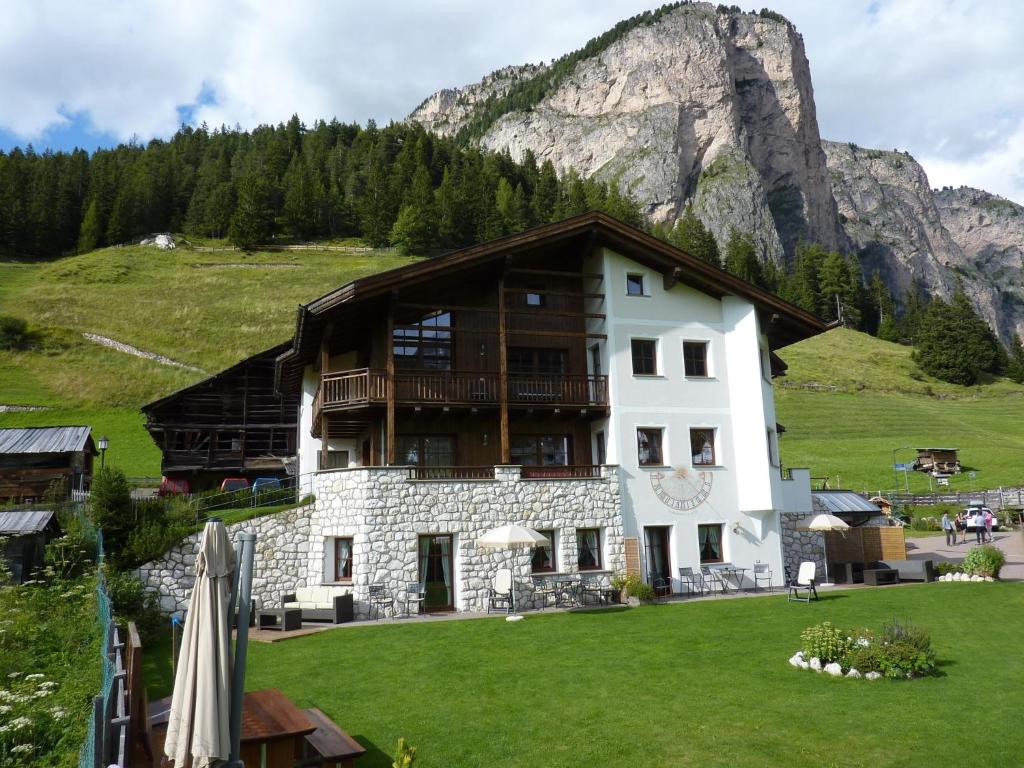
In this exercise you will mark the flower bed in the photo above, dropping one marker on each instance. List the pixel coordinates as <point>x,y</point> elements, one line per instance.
<point>898,651</point>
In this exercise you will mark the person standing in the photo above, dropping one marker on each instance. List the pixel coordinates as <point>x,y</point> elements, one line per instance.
<point>979,526</point>
<point>947,526</point>
<point>988,524</point>
<point>961,525</point>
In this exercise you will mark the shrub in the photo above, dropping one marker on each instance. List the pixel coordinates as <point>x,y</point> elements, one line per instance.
<point>906,651</point>
<point>133,602</point>
<point>826,642</point>
<point>636,587</point>
<point>110,506</point>
<point>13,333</point>
<point>73,554</point>
<point>405,755</point>
<point>985,560</point>
<point>941,569</point>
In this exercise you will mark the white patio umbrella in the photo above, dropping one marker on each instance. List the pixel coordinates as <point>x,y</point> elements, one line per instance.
<point>821,524</point>
<point>512,537</point>
<point>198,725</point>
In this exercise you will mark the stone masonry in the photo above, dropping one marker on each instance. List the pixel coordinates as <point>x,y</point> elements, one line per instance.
<point>384,511</point>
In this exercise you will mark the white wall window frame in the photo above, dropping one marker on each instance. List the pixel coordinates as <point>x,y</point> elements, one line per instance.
<point>645,284</point>
<point>708,358</point>
<point>716,454</point>
<point>658,367</point>
<point>665,460</point>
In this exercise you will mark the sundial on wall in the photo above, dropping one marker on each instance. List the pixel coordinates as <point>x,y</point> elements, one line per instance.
<point>682,489</point>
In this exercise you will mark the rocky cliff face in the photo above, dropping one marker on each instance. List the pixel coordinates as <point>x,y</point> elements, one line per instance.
<point>990,233</point>
<point>718,109</point>
<point>712,106</point>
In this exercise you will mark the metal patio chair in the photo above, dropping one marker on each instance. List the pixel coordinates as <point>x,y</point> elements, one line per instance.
<point>711,577</point>
<point>692,581</point>
<point>379,599</point>
<point>763,572</point>
<point>415,594</point>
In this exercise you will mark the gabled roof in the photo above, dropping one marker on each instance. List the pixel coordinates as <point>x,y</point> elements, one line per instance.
<point>273,352</point>
<point>44,440</point>
<point>20,522</point>
<point>786,323</point>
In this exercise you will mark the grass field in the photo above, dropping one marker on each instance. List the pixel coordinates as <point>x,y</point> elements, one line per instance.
<point>880,401</point>
<point>206,310</point>
<point>694,684</point>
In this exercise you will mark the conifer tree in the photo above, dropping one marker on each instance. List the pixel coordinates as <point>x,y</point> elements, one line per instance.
<point>690,234</point>
<point>741,257</point>
<point>252,222</point>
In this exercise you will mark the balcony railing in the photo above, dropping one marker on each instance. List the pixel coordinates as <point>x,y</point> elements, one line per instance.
<point>556,471</point>
<point>346,389</point>
<point>452,473</point>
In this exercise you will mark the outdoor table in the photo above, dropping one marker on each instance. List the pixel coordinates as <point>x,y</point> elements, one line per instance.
<point>281,619</point>
<point>730,571</point>
<point>567,590</point>
<point>273,729</point>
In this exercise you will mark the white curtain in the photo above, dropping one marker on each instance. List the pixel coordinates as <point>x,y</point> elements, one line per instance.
<point>343,547</point>
<point>446,567</point>
<point>424,559</point>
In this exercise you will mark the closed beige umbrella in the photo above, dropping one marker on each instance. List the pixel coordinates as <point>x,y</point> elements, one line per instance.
<point>198,725</point>
<point>821,524</point>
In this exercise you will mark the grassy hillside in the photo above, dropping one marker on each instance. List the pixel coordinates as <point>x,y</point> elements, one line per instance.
<point>849,399</point>
<point>206,310</point>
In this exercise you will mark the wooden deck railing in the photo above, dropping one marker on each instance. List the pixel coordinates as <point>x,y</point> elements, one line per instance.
<point>557,472</point>
<point>345,389</point>
<point>453,473</point>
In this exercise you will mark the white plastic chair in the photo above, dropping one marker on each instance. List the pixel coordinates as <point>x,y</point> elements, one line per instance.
<point>804,583</point>
<point>500,591</point>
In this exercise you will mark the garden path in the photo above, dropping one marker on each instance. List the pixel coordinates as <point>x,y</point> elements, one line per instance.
<point>935,548</point>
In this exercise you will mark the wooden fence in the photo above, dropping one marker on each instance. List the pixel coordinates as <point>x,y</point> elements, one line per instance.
<point>866,544</point>
<point>993,499</point>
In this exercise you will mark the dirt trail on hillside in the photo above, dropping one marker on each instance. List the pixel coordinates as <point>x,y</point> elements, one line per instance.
<point>128,349</point>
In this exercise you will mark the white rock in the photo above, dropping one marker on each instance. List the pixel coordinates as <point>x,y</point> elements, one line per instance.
<point>834,669</point>
<point>872,675</point>
<point>853,673</point>
<point>804,665</point>
<point>815,663</point>
<point>976,577</point>
<point>989,578</point>
<point>795,661</point>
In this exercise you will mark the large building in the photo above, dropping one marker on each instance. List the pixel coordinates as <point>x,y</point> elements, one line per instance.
<point>584,378</point>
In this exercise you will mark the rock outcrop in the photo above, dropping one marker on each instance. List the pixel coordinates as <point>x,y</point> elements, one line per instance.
<point>717,108</point>
<point>699,104</point>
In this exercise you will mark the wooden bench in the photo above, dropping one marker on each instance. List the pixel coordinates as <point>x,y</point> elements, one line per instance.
<point>877,576</point>
<point>328,744</point>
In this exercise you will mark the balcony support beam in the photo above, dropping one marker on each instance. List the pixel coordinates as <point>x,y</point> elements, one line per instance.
<point>389,440</point>
<point>506,451</point>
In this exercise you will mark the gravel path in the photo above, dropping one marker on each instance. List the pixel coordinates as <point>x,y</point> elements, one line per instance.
<point>935,548</point>
<point>128,349</point>
<point>22,408</point>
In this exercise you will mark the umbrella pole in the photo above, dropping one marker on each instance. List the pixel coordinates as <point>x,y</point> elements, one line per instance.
<point>824,551</point>
<point>247,544</point>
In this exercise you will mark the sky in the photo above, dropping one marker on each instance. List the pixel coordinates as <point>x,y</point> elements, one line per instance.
<point>942,79</point>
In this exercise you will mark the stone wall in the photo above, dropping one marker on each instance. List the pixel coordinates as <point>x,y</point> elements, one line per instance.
<point>385,513</point>
<point>282,544</point>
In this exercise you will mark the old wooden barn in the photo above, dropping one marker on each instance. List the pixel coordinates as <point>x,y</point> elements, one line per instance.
<point>33,458</point>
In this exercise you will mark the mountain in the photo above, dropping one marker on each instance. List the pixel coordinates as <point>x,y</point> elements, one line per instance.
<point>712,105</point>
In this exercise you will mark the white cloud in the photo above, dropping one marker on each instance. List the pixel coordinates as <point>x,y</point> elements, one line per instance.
<point>943,80</point>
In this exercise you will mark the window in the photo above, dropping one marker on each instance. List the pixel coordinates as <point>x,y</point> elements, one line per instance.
<point>541,450</point>
<point>602,448</point>
<point>343,559</point>
<point>702,447</point>
<point>695,358</point>
<point>525,360</point>
<point>645,357</point>
<point>425,344</point>
<point>709,542</point>
<point>425,450</point>
<point>335,459</point>
<point>648,447</point>
<point>772,454</point>
<point>544,558</point>
<point>534,298</point>
<point>588,549</point>
<point>634,285</point>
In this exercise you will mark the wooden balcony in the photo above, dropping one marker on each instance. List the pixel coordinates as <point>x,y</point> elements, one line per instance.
<point>346,390</point>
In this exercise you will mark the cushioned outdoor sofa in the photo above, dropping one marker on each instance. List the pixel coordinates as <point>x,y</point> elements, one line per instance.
<point>321,603</point>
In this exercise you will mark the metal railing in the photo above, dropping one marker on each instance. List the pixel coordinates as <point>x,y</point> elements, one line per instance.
<point>452,473</point>
<point>561,472</point>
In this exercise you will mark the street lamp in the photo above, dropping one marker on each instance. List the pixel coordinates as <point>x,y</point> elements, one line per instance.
<point>103,444</point>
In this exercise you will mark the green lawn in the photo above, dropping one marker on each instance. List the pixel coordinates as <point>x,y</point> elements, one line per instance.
<point>881,402</point>
<point>207,310</point>
<point>693,684</point>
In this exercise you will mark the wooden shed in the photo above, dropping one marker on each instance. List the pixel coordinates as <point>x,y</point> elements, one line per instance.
<point>31,458</point>
<point>25,534</point>
<point>942,461</point>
